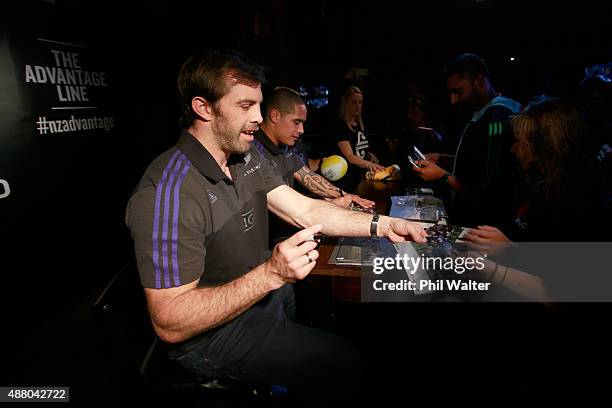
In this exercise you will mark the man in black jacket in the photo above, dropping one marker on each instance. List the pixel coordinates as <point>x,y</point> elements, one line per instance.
<point>483,176</point>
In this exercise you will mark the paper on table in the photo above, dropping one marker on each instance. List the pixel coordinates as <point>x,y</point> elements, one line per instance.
<point>415,207</point>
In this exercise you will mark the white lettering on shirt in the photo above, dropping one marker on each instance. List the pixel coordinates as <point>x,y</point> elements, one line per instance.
<point>362,145</point>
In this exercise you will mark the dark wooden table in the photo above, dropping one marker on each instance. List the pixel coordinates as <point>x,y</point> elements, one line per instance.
<point>377,191</point>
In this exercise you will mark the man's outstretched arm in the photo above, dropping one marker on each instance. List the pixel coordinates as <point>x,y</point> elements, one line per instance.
<point>319,185</point>
<point>304,212</point>
<point>316,183</point>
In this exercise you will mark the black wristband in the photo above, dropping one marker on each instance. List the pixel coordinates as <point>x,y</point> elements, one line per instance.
<point>374,225</point>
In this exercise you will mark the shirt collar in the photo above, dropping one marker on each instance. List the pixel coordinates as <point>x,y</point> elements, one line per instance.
<point>497,101</point>
<point>202,159</point>
<point>264,139</point>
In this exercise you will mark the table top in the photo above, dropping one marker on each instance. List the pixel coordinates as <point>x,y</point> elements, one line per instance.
<point>377,191</point>
<point>326,269</point>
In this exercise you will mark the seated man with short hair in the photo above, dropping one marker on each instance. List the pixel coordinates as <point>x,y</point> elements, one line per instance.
<point>199,220</point>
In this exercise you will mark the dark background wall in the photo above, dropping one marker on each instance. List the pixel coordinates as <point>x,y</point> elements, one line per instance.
<point>62,226</point>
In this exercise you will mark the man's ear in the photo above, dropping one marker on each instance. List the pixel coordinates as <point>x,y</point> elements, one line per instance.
<point>479,82</point>
<point>202,108</point>
<point>274,116</point>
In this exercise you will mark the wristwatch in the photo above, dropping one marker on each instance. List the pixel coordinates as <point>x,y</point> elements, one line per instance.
<point>374,225</point>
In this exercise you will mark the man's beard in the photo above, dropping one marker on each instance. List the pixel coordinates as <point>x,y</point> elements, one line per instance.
<point>229,138</point>
<point>470,105</point>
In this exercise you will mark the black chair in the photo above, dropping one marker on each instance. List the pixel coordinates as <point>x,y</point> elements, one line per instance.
<point>121,314</point>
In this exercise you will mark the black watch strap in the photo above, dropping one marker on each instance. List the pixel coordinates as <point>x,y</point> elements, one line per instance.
<point>374,225</point>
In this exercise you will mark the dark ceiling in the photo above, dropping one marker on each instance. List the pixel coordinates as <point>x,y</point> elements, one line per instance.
<point>402,44</point>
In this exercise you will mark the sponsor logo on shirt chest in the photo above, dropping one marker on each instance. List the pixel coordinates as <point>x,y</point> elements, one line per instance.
<point>252,169</point>
<point>248,219</point>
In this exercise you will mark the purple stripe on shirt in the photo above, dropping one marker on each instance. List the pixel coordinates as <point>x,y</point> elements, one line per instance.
<point>175,222</point>
<point>166,220</point>
<point>260,147</point>
<point>158,193</point>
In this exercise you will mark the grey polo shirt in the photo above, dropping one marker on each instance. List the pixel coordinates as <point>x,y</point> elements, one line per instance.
<point>190,221</point>
<point>285,160</point>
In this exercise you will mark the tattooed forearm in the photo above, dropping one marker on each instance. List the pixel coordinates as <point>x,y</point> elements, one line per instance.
<point>316,183</point>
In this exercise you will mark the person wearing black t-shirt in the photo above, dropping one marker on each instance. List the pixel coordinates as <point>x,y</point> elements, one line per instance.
<point>350,139</point>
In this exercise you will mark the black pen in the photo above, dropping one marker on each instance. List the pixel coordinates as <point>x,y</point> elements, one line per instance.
<point>318,238</point>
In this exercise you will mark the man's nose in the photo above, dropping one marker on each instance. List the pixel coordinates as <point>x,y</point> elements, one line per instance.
<point>301,128</point>
<point>454,98</point>
<point>257,115</point>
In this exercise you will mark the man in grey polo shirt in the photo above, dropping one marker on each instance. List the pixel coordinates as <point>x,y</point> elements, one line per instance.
<point>277,138</point>
<point>199,222</point>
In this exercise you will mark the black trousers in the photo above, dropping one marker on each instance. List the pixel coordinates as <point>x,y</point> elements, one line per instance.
<point>264,345</point>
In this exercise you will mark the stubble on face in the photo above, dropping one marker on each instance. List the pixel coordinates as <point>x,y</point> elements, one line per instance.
<point>228,136</point>
<point>469,100</point>
<point>236,118</point>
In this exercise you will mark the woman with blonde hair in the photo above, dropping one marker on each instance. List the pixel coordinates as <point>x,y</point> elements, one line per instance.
<point>352,143</point>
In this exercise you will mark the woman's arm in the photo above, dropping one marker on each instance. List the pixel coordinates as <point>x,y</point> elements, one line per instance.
<point>347,152</point>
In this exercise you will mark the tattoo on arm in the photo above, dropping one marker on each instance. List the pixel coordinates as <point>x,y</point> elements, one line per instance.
<point>316,183</point>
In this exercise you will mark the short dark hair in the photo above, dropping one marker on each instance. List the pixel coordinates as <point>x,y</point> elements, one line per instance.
<point>284,100</point>
<point>209,74</point>
<point>467,64</point>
